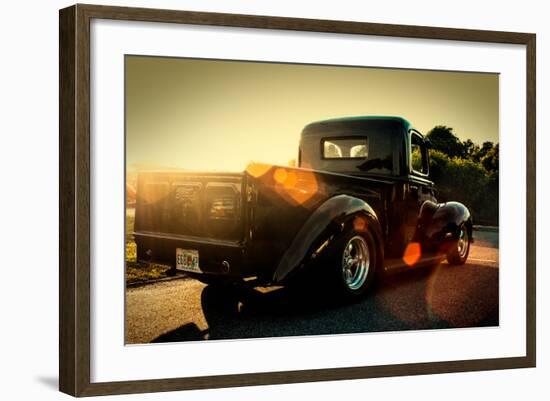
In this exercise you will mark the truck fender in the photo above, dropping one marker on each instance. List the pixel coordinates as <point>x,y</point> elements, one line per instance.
<point>324,225</point>
<point>440,222</point>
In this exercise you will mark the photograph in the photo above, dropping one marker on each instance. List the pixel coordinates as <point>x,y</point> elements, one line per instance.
<point>269,199</point>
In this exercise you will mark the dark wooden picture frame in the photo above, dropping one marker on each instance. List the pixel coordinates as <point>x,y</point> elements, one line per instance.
<point>74,203</point>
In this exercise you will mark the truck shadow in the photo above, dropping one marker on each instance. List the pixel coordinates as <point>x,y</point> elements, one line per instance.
<point>437,298</point>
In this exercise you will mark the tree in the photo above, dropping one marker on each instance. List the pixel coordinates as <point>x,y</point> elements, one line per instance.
<point>490,160</point>
<point>482,151</point>
<point>465,172</point>
<point>469,148</point>
<point>468,182</point>
<point>443,139</point>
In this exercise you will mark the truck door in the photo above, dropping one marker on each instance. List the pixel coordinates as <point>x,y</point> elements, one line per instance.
<point>420,187</point>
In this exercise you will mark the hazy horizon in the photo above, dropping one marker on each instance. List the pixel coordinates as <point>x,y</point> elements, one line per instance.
<point>219,115</point>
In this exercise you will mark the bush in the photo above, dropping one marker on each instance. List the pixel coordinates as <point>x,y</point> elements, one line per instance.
<point>468,182</point>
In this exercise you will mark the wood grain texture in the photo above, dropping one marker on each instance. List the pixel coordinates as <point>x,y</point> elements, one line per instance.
<point>82,192</point>
<point>67,265</point>
<point>74,199</point>
<point>301,376</point>
<point>531,222</point>
<point>301,24</point>
<point>74,206</point>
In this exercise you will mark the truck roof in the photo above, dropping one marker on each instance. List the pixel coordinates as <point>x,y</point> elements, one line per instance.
<point>398,119</point>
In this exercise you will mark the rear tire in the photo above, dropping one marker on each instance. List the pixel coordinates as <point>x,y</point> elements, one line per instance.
<point>353,263</point>
<point>460,248</point>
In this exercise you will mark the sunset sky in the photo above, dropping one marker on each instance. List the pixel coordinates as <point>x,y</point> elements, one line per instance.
<point>220,115</point>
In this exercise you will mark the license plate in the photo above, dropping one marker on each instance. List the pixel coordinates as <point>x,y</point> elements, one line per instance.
<point>188,260</point>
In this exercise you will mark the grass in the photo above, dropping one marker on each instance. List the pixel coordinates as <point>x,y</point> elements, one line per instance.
<point>139,272</point>
<point>131,252</point>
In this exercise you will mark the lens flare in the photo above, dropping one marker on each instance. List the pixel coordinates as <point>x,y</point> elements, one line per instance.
<point>257,170</point>
<point>280,175</point>
<point>412,253</point>
<point>360,224</point>
<point>297,186</point>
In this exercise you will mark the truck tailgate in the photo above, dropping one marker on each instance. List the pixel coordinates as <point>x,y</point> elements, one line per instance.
<point>200,206</point>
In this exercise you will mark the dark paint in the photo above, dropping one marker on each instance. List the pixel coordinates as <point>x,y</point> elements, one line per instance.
<point>280,216</point>
<point>326,222</point>
<point>440,224</point>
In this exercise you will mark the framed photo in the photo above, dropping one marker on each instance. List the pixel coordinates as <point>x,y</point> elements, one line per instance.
<point>249,200</point>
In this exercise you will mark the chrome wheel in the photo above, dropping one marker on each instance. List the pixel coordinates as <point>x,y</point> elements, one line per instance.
<point>463,242</point>
<point>355,262</point>
<point>460,247</point>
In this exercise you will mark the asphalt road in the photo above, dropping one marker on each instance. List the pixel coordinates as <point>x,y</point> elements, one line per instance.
<point>441,297</point>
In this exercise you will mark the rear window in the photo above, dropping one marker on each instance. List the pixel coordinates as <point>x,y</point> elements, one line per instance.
<point>350,146</point>
<point>345,148</point>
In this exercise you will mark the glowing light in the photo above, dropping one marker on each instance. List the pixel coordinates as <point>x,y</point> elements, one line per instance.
<point>280,175</point>
<point>257,169</point>
<point>298,185</point>
<point>360,224</point>
<point>412,253</point>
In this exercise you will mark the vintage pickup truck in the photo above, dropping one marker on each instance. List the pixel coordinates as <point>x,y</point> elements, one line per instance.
<point>359,203</point>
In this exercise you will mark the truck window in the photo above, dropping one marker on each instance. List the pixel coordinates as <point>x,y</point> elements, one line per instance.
<point>352,146</point>
<point>419,154</point>
<point>340,148</point>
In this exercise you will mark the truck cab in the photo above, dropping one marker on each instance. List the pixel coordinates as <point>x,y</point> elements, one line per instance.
<point>376,147</point>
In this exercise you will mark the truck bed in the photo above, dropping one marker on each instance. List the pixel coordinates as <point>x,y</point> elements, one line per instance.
<point>240,223</point>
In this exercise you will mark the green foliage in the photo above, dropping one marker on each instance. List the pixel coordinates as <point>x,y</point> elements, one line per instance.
<point>443,139</point>
<point>490,160</point>
<point>141,273</point>
<point>465,172</point>
<point>468,182</point>
<point>486,147</point>
<point>469,149</point>
<point>131,251</point>
<point>416,159</point>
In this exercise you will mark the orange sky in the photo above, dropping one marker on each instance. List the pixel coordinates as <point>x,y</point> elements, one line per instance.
<point>219,115</point>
